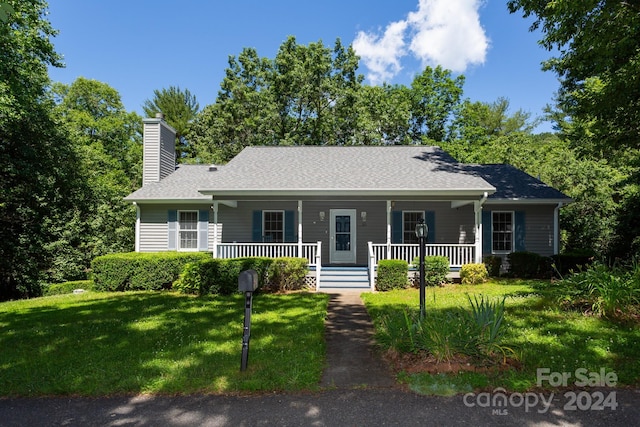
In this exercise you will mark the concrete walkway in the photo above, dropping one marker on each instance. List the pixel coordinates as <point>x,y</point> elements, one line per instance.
<point>352,359</point>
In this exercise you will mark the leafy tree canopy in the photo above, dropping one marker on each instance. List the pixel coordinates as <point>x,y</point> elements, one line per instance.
<point>598,62</point>
<point>179,108</point>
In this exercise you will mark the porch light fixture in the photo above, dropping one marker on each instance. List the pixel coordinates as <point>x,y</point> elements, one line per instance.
<point>321,214</point>
<point>421,233</point>
<point>363,216</point>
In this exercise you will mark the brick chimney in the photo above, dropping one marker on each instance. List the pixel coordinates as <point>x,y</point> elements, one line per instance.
<point>159,152</point>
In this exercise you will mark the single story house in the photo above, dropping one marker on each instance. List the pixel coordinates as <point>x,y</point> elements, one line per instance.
<point>343,208</point>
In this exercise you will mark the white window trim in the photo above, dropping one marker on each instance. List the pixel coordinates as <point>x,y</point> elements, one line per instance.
<point>513,229</point>
<point>264,228</point>
<point>179,240</point>
<point>403,221</point>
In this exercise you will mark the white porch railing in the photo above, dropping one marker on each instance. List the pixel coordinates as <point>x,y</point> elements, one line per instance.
<point>310,251</point>
<point>458,254</point>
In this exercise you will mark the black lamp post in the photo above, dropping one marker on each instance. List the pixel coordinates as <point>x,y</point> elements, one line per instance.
<point>421,233</point>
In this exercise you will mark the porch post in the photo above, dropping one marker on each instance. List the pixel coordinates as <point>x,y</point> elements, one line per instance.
<point>215,229</point>
<point>388,229</point>
<point>477,209</point>
<point>300,254</point>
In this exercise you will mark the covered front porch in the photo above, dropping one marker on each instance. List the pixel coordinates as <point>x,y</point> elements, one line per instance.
<point>343,233</point>
<point>458,254</point>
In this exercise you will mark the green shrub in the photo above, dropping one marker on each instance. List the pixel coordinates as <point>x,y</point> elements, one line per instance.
<point>493,264</point>
<point>568,262</point>
<point>67,287</point>
<point>140,271</point>
<point>213,276</point>
<point>436,269</point>
<point>392,274</point>
<point>473,274</point>
<point>230,269</point>
<point>529,265</point>
<point>199,278</point>
<point>287,274</point>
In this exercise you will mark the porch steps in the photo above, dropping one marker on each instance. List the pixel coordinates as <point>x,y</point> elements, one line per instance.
<point>344,278</point>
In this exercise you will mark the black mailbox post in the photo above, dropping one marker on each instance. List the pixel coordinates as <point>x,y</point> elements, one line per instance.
<point>247,283</point>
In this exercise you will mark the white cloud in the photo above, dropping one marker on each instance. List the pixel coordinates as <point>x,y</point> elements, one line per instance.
<point>440,32</point>
<point>381,55</point>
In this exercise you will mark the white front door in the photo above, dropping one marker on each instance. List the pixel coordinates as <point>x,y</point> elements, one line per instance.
<point>342,243</point>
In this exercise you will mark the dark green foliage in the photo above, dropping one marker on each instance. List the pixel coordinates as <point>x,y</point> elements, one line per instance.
<point>216,276</point>
<point>230,270</point>
<point>599,289</point>
<point>287,274</point>
<point>493,264</point>
<point>38,177</point>
<point>473,274</point>
<point>445,334</point>
<point>529,265</point>
<point>436,269</point>
<point>140,271</point>
<point>568,262</point>
<point>67,287</point>
<point>199,278</point>
<point>392,274</point>
<point>179,108</point>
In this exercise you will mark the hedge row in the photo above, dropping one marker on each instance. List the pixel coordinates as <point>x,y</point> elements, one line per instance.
<point>194,273</point>
<point>67,287</point>
<point>141,271</point>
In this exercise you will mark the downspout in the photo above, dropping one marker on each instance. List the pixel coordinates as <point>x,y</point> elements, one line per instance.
<point>137,244</point>
<point>478,213</point>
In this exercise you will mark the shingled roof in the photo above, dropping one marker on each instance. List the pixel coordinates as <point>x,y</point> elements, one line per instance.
<point>513,184</point>
<point>356,170</point>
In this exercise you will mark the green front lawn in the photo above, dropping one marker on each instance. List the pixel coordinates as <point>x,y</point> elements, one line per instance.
<point>542,336</point>
<point>144,342</point>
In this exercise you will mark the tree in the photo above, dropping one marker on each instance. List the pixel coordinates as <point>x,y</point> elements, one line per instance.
<point>179,108</point>
<point>314,90</point>
<point>107,140</point>
<point>435,96</point>
<point>479,122</point>
<point>38,178</point>
<point>383,114</point>
<point>598,62</point>
<point>243,114</point>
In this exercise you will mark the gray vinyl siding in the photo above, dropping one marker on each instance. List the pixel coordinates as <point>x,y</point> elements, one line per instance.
<point>374,229</point>
<point>151,154</point>
<point>453,225</point>
<point>154,230</point>
<point>158,151</point>
<point>167,151</point>
<point>539,233</point>
<point>238,221</point>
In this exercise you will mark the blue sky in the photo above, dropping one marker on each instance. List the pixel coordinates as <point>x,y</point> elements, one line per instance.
<point>138,46</point>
